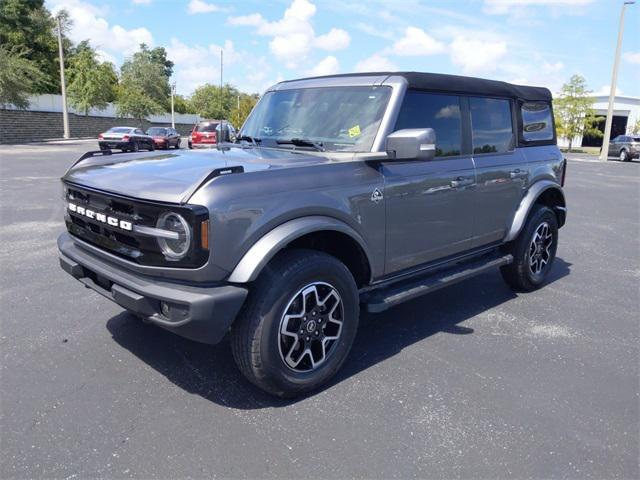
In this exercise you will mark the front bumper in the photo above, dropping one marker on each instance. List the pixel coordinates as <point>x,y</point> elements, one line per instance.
<point>203,314</point>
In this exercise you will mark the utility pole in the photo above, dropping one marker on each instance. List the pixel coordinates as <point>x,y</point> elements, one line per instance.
<point>604,155</point>
<point>65,114</point>
<point>173,115</point>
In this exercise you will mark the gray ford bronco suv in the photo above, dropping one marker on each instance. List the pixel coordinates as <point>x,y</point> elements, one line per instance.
<point>339,193</point>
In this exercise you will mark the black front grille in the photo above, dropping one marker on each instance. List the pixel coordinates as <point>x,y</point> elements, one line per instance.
<point>128,244</point>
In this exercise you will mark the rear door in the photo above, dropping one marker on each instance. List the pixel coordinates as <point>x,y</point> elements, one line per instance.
<point>429,204</point>
<point>501,170</point>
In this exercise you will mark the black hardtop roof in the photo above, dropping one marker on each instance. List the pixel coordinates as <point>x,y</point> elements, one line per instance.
<point>440,82</point>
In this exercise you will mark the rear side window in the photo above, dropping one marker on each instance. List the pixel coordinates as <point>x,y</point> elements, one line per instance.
<point>491,125</point>
<point>440,112</point>
<point>537,122</point>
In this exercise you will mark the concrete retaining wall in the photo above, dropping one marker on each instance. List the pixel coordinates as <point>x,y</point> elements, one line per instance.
<point>23,126</point>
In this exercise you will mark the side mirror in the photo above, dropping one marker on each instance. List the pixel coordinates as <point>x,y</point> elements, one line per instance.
<point>412,144</point>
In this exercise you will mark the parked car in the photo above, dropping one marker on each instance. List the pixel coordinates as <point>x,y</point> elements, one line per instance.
<point>343,192</point>
<point>127,139</point>
<point>207,132</point>
<point>625,147</point>
<point>164,137</point>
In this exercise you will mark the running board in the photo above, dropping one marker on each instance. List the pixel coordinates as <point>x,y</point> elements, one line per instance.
<point>381,300</point>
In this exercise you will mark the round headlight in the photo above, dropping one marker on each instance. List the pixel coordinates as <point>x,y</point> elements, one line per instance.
<point>174,248</point>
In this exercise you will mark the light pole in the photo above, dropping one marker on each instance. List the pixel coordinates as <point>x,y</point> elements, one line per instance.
<point>173,115</point>
<point>604,155</point>
<point>65,114</point>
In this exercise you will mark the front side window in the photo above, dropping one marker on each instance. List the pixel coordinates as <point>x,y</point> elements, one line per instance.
<point>431,110</point>
<point>338,118</point>
<point>491,125</point>
<point>537,122</point>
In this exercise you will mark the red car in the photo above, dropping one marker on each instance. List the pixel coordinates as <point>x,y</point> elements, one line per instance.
<point>164,137</point>
<point>206,133</point>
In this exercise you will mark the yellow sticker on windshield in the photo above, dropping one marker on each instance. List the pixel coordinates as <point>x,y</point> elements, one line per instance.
<point>354,131</point>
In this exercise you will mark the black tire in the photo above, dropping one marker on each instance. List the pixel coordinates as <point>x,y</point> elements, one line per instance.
<point>135,147</point>
<point>624,155</point>
<point>190,146</point>
<point>256,340</point>
<point>521,275</point>
<point>178,145</point>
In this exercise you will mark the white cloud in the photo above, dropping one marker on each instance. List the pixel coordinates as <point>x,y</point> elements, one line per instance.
<point>605,90</point>
<point>632,57</point>
<point>89,23</point>
<point>336,39</point>
<point>293,36</point>
<point>416,42</point>
<point>554,67</point>
<point>141,2</point>
<point>327,66</point>
<point>105,57</point>
<point>375,63</point>
<point>503,7</point>
<point>474,55</point>
<point>200,6</point>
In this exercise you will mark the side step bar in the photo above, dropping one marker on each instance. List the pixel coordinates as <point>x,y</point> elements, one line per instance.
<point>381,300</point>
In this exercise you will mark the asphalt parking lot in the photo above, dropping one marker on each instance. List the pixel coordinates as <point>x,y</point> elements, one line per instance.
<point>471,382</point>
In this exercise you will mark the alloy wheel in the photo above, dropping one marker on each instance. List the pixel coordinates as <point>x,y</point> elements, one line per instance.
<point>310,327</point>
<point>623,156</point>
<point>540,248</point>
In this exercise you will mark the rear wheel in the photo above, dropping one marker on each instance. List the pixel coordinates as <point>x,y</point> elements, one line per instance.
<point>533,251</point>
<point>135,147</point>
<point>298,324</point>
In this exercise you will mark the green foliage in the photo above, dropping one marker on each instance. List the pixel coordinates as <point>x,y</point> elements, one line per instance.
<point>210,101</point>
<point>573,111</point>
<point>182,105</point>
<point>90,83</point>
<point>144,87</point>
<point>26,26</point>
<point>635,130</point>
<point>19,76</point>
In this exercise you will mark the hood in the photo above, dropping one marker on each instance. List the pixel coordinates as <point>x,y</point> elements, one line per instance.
<point>174,177</point>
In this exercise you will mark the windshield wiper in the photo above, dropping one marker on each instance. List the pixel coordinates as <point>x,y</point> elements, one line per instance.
<point>302,142</point>
<point>248,138</point>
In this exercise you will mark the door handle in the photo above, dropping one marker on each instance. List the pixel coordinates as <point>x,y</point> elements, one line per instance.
<point>517,173</point>
<point>461,182</point>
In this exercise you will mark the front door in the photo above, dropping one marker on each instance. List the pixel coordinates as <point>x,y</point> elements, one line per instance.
<point>429,204</point>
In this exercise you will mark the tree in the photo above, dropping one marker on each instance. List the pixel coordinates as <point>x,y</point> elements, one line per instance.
<point>19,77</point>
<point>91,83</point>
<point>247,102</point>
<point>573,111</point>
<point>27,26</point>
<point>635,130</point>
<point>182,105</point>
<point>144,87</point>
<point>210,101</point>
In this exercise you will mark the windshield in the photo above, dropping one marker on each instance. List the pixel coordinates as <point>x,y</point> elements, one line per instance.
<point>120,130</point>
<point>338,118</point>
<point>157,131</point>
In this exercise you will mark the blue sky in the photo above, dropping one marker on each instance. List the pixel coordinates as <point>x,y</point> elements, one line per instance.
<point>537,42</point>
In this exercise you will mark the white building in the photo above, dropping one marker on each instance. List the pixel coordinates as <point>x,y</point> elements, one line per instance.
<point>626,112</point>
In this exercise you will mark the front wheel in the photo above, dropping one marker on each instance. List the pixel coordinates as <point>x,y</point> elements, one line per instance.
<point>298,324</point>
<point>533,251</point>
<point>624,156</point>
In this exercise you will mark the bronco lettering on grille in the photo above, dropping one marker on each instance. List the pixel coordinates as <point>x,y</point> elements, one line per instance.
<point>101,217</point>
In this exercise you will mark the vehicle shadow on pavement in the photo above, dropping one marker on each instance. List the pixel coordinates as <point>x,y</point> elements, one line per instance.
<point>209,370</point>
